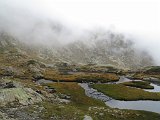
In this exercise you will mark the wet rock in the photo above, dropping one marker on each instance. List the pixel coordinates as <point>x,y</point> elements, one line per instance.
<point>94,93</point>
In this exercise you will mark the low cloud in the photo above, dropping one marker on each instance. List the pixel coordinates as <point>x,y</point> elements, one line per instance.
<point>35,25</point>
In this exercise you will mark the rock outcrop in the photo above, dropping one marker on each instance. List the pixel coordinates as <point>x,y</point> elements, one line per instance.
<point>12,92</point>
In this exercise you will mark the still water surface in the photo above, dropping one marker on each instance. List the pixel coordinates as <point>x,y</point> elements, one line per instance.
<point>147,105</point>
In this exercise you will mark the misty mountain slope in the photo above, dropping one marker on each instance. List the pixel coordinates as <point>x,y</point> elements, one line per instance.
<point>12,46</point>
<point>6,42</point>
<point>105,48</point>
<point>110,49</point>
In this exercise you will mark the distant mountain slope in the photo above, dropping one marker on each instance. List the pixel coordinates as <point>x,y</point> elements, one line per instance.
<point>98,48</point>
<point>109,48</point>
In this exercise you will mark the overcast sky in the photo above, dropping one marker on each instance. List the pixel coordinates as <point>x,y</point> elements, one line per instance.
<point>137,17</point>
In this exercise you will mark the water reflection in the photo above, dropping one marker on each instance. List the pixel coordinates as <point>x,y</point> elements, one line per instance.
<point>153,106</point>
<point>147,105</point>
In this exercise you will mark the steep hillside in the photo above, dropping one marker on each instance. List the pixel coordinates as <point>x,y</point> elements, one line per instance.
<point>101,49</point>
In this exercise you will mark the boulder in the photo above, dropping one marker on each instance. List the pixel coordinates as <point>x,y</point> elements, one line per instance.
<point>86,117</point>
<point>24,96</point>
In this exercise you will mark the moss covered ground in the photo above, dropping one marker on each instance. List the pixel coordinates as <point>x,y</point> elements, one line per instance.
<point>80,76</point>
<point>139,84</point>
<point>81,105</point>
<point>122,92</point>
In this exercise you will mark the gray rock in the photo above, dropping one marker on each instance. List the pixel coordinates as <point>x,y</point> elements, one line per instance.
<point>86,117</point>
<point>24,96</point>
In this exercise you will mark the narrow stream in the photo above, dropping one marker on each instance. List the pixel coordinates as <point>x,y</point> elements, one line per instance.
<point>147,105</point>
<point>156,88</point>
<point>94,93</point>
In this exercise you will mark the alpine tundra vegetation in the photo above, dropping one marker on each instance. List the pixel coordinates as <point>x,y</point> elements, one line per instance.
<point>50,69</point>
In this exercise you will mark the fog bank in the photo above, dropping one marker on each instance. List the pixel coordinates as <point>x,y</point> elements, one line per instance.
<point>55,23</point>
